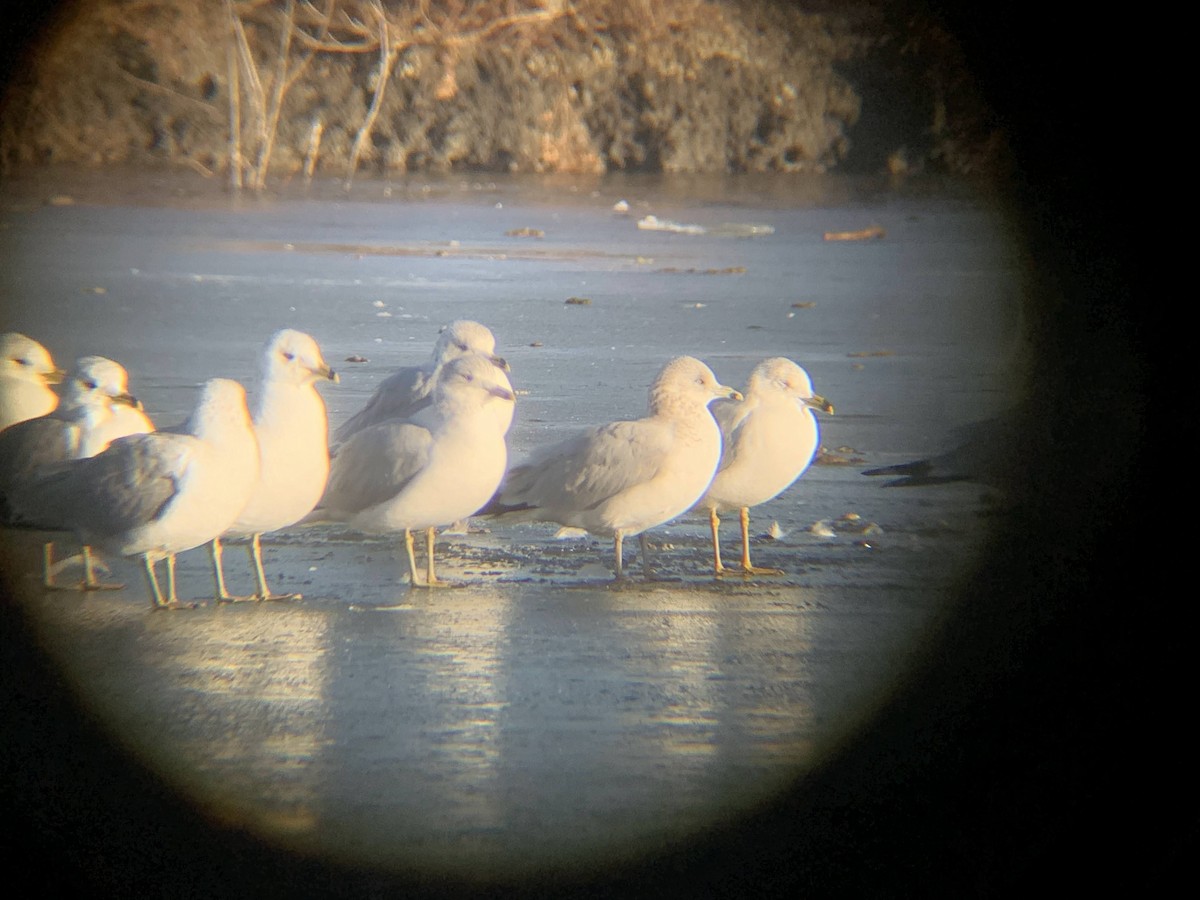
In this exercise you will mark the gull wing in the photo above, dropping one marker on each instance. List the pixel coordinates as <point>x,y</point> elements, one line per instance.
<point>398,396</point>
<point>32,445</point>
<point>585,471</point>
<point>374,465</point>
<point>128,485</point>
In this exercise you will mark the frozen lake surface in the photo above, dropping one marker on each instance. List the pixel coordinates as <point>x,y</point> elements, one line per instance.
<point>538,716</point>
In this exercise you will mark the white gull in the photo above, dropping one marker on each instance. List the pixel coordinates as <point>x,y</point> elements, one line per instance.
<point>96,408</point>
<point>159,494</point>
<point>26,373</point>
<point>770,438</point>
<point>620,479</point>
<point>292,429</point>
<point>437,467</point>
<point>409,390</point>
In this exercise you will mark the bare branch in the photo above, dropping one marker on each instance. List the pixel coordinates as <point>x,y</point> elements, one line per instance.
<point>235,118</point>
<point>540,17</point>
<point>387,59</point>
<point>271,121</point>
<point>171,92</point>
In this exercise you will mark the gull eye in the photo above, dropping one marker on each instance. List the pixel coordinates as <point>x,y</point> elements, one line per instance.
<point>288,356</point>
<point>23,362</point>
<point>461,346</point>
<point>90,385</point>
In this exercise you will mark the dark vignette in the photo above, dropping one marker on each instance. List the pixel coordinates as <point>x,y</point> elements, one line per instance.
<point>1051,766</point>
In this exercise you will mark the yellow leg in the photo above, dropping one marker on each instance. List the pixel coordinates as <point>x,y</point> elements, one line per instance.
<point>172,597</point>
<point>431,579</point>
<point>644,544</point>
<point>90,582</point>
<point>412,559</point>
<point>260,576</point>
<point>619,550</point>
<point>714,524</point>
<point>89,568</point>
<point>748,569</point>
<point>156,596</point>
<point>215,552</point>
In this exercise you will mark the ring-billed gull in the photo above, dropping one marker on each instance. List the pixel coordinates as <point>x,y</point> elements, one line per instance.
<point>124,418</point>
<point>441,465</point>
<point>406,391</point>
<point>155,495</point>
<point>26,373</point>
<point>96,408</point>
<point>85,422</point>
<point>770,439</point>
<point>620,479</point>
<point>293,435</point>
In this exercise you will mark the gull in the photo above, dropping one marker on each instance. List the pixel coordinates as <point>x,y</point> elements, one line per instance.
<point>620,479</point>
<point>26,373</point>
<point>155,495</point>
<point>442,464</point>
<point>125,418</point>
<point>84,423</point>
<point>993,452</point>
<point>437,467</point>
<point>406,391</point>
<point>292,429</point>
<point>96,408</point>
<point>770,439</point>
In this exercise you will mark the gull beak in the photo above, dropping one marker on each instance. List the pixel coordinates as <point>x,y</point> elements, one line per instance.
<point>819,403</point>
<point>127,400</point>
<point>328,374</point>
<point>54,376</point>
<point>728,393</point>
<point>502,392</point>
<point>500,363</point>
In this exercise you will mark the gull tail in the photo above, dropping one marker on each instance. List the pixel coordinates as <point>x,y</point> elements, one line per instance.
<point>496,507</point>
<point>913,474</point>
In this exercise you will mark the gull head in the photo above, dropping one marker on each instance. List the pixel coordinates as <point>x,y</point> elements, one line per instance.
<point>25,359</point>
<point>220,410</point>
<point>472,381</point>
<point>687,381</point>
<point>98,381</point>
<point>294,357</point>
<point>779,374</point>
<point>462,337</point>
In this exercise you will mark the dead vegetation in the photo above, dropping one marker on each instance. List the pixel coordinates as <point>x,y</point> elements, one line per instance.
<point>258,89</point>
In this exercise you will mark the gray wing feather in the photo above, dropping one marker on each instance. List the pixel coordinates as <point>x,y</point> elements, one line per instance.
<point>374,465</point>
<point>585,471</point>
<point>731,415</point>
<point>126,486</point>
<point>398,396</point>
<point>32,445</point>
